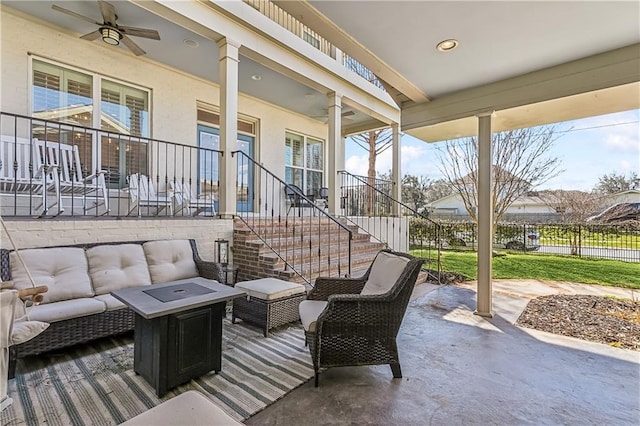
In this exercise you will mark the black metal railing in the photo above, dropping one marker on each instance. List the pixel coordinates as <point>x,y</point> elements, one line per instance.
<point>61,168</point>
<point>296,227</point>
<point>605,241</point>
<point>368,203</point>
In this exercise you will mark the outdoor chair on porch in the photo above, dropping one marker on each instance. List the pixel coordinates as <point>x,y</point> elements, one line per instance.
<point>23,173</point>
<point>297,199</point>
<point>143,196</point>
<point>72,184</point>
<point>188,203</point>
<point>355,321</point>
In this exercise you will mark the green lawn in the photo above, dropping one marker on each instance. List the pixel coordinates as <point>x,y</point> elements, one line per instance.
<point>548,267</point>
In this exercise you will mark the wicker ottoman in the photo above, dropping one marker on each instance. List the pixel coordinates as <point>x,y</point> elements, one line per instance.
<point>270,302</point>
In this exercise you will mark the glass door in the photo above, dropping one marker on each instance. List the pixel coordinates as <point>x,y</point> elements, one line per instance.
<point>209,168</point>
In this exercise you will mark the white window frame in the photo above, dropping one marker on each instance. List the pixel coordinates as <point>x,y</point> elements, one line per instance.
<point>304,167</point>
<point>96,98</point>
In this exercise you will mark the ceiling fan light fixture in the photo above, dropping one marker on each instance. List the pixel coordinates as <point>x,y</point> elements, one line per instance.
<point>447,45</point>
<point>110,36</point>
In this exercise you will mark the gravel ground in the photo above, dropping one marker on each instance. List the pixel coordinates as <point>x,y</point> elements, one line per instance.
<point>613,321</point>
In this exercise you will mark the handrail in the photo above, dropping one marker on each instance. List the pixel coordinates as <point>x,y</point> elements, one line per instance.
<point>363,180</point>
<point>410,209</point>
<point>300,244</point>
<point>260,166</point>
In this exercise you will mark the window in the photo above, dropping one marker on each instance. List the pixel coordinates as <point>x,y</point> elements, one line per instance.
<point>304,162</point>
<point>66,95</point>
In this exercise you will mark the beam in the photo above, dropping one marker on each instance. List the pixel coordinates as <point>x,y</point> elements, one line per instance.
<point>484,306</point>
<point>605,70</point>
<point>228,125</point>
<point>336,150</point>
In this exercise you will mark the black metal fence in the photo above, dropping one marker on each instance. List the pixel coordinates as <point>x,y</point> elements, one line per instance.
<point>605,241</point>
<point>51,168</point>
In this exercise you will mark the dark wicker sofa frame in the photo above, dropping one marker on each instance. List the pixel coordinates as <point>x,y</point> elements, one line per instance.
<point>69,332</point>
<point>359,329</point>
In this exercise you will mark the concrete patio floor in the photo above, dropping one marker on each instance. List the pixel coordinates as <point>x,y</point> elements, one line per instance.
<point>459,368</point>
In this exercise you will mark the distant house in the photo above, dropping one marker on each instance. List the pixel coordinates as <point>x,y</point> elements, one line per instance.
<point>454,205</point>
<point>629,196</point>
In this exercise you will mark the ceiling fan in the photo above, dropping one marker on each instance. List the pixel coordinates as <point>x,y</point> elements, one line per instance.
<point>110,31</point>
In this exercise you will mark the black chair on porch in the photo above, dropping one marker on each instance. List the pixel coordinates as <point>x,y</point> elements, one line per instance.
<point>298,199</point>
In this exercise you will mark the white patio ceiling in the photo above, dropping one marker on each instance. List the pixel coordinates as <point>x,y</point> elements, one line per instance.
<point>499,43</point>
<point>512,54</point>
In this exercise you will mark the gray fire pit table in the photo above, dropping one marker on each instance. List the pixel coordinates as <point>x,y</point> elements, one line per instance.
<point>178,329</point>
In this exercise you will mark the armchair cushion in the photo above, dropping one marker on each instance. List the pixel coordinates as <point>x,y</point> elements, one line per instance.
<point>170,260</point>
<point>310,310</point>
<point>113,267</point>
<point>385,271</point>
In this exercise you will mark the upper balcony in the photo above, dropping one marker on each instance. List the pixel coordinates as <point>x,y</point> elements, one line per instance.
<point>286,20</point>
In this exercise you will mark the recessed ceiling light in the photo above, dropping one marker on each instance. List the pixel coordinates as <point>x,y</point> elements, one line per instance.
<point>447,45</point>
<point>191,43</point>
<point>256,77</point>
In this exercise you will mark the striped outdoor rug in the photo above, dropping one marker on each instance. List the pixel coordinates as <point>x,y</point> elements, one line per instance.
<point>94,384</point>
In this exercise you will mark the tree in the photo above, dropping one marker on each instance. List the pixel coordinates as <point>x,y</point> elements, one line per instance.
<point>414,191</point>
<point>572,206</point>
<point>417,191</point>
<point>521,161</point>
<point>612,183</point>
<point>375,142</point>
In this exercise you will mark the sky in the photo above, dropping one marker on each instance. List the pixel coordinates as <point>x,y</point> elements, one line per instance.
<point>588,149</point>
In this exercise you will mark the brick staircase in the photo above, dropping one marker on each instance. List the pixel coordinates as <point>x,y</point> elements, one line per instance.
<point>313,246</point>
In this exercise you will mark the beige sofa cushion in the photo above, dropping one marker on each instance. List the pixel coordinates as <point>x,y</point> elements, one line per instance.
<point>270,288</point>
<point>112,267</point>
<point>170,260</point>
<point>385,271</point>
<point>62,269</point>
<point>110,302</point>
<point>310,310</point>
<point>66,309</point>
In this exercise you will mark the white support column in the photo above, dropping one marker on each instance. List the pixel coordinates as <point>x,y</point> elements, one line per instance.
<point>336,150</point>
<point>485,217</point>
<point>228,125</point>
<point>396,176</point>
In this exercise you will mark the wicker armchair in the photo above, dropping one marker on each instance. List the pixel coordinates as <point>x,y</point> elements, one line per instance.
<point>346,328</point>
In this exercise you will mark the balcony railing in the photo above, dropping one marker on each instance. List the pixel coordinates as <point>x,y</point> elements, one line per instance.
<point>285,20</point>
<point>50,168</point>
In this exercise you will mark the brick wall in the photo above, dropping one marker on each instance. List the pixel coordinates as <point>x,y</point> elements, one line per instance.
<point>51,232</point>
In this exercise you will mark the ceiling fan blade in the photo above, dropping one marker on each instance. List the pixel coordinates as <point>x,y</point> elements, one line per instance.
<point>93,35</point>
<point>348,113</point>
<point>140,32</point>
<point>132,46</point>
<point>74,14</point>
<point>108,12</point>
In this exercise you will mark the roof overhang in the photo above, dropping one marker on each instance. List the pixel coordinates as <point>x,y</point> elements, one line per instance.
<point>596,85</point>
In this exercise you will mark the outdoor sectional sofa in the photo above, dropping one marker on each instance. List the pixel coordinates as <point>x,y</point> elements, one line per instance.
<point>78,304</point>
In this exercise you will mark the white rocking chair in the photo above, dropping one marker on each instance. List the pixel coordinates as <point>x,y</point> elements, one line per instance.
<point>142,194</point>
<point>71,183</point>
<point>187,202</point>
